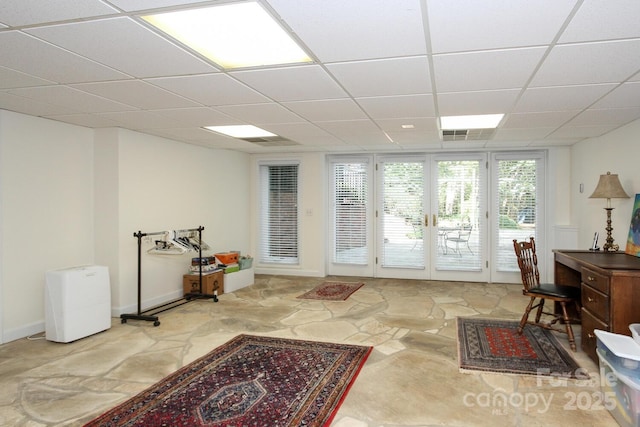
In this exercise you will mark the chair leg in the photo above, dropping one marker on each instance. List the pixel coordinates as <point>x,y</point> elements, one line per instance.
<point>525,316</point>
<point>539,312</point>
<point>567,323</point>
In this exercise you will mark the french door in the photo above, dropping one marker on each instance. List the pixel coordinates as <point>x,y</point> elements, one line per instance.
<point>417,217</point>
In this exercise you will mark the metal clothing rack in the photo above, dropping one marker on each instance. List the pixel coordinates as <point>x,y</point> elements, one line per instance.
<point>150,314</point>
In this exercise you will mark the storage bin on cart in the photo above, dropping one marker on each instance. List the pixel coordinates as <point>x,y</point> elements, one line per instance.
<point>619,358</point>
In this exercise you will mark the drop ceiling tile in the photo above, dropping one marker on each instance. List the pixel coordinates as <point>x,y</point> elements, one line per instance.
<point>292,83</point>
<point>613,116</point>
<point>549,119</point>
<point>210,89</point>
<point>137,93</point>
<point>524,134</point>
<point>32,107</point>
<point>326,109</point>
<point>74,100</point>
<point>465,25</point>
<point>398,106</point>
<point>572,132</point>
<point>258,114</point>
<point>141,120</point>
<point>12,79</point>
<point>589,63</point>
<point>561,98</point>
<point>198,117</point>
<point>625,95</point>
<point>497,69</point>
<point>397,76</point>
<point>483,102</point>
<point>86,120</point>
<point>29,55</point>
<point>604,20</point>
<point>338,30</point>
<point>349,128</point>
<point>415,137</point>
<point>26,12</point>
<point>304,133</point>
<point>125,45</point>
<point>419,124</point>
<point>134,5</point>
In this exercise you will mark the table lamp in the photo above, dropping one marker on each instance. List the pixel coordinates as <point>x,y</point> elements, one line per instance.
<point>609,187</point>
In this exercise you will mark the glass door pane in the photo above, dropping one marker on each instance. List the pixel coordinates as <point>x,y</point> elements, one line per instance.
<point>460,247</point>
<point>401,212</point>
<point>350,212</point>
<point>518,204</point>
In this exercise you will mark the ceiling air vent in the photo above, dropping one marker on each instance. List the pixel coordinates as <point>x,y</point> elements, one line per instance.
<point>276,141</point>
<point>467,134</point>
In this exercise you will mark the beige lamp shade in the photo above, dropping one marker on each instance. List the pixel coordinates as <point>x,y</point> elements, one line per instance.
<point>609,187</point>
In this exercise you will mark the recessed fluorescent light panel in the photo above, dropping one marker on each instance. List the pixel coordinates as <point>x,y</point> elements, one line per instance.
<point>483,121</point>
<point>236,35</point>
<point>241,131</point>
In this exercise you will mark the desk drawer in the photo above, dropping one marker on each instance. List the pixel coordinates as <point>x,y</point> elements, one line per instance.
<point>595,280</point>
<point>589,323</point>
<point>596,302</point>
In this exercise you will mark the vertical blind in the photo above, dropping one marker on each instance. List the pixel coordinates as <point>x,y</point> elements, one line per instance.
<point>279,214</point>
<point>350,200</point>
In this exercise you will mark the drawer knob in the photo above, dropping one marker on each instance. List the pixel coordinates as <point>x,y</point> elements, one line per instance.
<point>591,278</point>
<point>590,336</point>
<point>590,299</point>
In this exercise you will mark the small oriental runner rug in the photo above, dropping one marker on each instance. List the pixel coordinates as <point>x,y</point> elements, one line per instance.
<point>332,291</point>
<point>495,346</point>
<point>249,381</point>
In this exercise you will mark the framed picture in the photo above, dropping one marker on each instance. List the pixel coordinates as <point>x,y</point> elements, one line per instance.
<point>633,241</point>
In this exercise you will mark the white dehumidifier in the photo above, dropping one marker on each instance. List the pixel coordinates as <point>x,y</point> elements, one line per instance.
<point>77,302</point>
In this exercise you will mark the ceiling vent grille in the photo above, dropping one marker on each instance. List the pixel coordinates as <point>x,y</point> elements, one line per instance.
<point>275,141</point>
<point>467,134</point>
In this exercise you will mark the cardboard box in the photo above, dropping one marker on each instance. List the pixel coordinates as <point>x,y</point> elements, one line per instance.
<point>227,257</point>
<point>210,283</point>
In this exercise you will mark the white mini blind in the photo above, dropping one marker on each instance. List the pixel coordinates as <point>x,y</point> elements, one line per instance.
<point>518,205</point>
<point>350,200</point>
<point>279,214</point>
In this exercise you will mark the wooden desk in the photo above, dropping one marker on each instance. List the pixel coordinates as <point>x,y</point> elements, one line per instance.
<point>610,289</point>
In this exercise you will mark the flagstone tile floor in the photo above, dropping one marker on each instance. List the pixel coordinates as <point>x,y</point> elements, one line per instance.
<point>410,379</point>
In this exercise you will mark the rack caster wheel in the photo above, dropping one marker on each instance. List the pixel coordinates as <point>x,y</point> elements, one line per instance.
<point>156,323</point>
<point>215,298</point>
<point>123,320</point>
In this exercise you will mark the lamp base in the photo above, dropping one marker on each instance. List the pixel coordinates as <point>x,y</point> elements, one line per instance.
<point>609,246</point>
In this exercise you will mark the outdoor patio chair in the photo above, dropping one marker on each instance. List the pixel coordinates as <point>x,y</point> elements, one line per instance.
<point>563,295</point>
<point>458,238</point>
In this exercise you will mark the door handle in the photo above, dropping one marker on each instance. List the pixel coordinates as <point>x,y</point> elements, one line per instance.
<point>434,220</point>
<point>426,220</point>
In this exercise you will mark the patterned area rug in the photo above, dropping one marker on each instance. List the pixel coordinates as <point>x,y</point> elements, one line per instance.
<point>249,381</point>
<point>495,346</point>
<point>332,291</point>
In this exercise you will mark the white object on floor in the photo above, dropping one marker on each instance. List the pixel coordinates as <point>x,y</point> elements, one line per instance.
<point>238,280</point>
<point>77,302</point>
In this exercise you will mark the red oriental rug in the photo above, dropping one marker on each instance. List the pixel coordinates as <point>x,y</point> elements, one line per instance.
<point>495,346</point>
<point>249,381</point>
<point>332,291</point>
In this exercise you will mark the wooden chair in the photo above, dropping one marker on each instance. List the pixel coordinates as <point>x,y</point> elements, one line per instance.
<point>563,295</point>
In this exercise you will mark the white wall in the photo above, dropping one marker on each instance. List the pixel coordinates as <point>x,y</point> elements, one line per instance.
<point>47,212</point>
<point>166,185</point>
<point>616,152</point>
<point>73,196</point>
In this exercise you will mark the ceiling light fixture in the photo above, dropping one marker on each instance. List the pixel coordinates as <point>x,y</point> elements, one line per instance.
<point>482,121</point>
<point>241,131</point>
<point>232,35</point>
